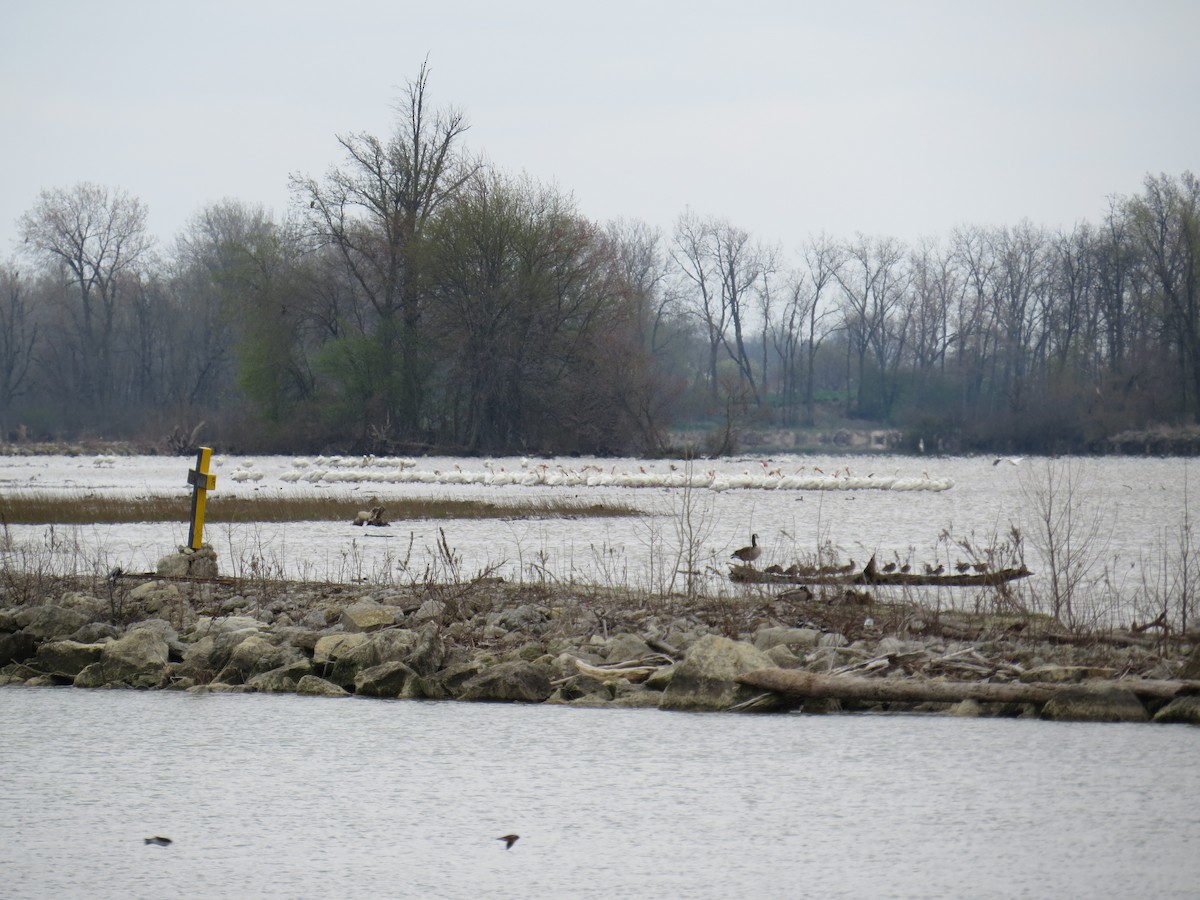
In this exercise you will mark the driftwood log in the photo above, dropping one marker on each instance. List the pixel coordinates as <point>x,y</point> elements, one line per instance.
<point>869,576</point>
<point>883,690</point>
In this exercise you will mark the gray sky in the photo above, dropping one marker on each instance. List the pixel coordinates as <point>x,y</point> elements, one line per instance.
<point>787,118</point>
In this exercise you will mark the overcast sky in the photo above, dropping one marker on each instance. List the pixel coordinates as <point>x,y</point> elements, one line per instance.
<point>786,118</point>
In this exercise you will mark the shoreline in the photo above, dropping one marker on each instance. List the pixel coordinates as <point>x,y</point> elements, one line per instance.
<point>490,640</point>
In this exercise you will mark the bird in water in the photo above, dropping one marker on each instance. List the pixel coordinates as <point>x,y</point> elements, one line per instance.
<point>751,553</point>
<point>159,841</point>
<point>509,840</point>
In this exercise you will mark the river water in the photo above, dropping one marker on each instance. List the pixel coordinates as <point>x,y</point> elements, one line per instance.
<point>1131,519</point>
<point>283,796</point>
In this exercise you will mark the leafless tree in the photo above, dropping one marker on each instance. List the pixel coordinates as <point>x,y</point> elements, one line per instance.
<point>18,338</point>
<point>873,278</point>
<point>1166,221</point>
<point>99,240</point>
<point>373,211</point>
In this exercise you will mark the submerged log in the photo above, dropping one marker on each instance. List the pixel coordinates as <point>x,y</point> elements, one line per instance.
<point>885,690</point>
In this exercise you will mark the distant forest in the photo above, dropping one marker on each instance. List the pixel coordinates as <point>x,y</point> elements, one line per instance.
<point>417,298</point>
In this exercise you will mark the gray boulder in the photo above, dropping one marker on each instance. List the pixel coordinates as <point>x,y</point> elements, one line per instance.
<point>705,680</point>
<point>332,647</point>
<point>282,680</point>
<point>16,647</point>
<point>312,686</point>
<point>517,681</point>
<point>430,611</point>
<point>1191,669</point>
<point>522,618</point>
<point>385,680</point>
<point>623,647</point>
<point>96,632</point>
<point>1181,710</point>
<point>50,622</point>
<point>1084,703</point>
<point>139,659</point>
<point>92,607</point>
<point>255,655</point>
<point>141,651</point>
<point>368,615</point>
<point>784,658</point>
<point>66,659</point>
<point>791,638</point>
<point>200,563</point>
<point>428,652</point>
<point>393,645</point>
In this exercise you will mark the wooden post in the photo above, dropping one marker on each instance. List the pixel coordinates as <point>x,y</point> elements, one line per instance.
<point>201,483</point>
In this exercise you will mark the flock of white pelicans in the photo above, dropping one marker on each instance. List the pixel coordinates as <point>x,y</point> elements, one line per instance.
<point>528,473</point>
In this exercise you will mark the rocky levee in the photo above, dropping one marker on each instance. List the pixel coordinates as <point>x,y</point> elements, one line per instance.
<point>489,640</point>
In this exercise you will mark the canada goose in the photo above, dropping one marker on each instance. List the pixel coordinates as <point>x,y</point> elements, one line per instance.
<point>889,568</point>
<point>159,841</point>
<point>751,553</point>
<point>509,840</point>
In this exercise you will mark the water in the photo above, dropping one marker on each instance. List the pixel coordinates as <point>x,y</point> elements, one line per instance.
<point>1141,508</point>
<point>286,796</point>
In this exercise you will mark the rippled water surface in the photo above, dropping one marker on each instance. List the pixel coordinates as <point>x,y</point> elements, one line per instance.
<point>1140,507</point>
<point>286,796</point>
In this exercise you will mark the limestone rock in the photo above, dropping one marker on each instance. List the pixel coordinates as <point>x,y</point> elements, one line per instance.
<point>522,618</point>
<point>66,659</point>
<point>92,607</point>
<point>510,682</point>
<point>385,680</point>
<point>784,658</point>
<point>141,652</point>
<point>705,678</point>
<point>427,652</point>
<point>281,680</point>
<point>1191,669</point>
<point>791,638</point>
<point>16,647</point>
<point>430,611</point>
<point>1083,703</point>
<point>50,622</point>
<point>312,686</point>
<point>252,656</point>
<point>622,647</point>
<point>392,645</point>
<point>1181,710</point>
<point>332,647</point>
<point>186,562</point>
<point>368,615</point>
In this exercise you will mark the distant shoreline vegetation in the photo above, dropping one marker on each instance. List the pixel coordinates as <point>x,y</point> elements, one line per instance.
<point>88,509</point>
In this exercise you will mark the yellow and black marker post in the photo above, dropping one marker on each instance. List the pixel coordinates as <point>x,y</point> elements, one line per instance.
<point>201,483</point>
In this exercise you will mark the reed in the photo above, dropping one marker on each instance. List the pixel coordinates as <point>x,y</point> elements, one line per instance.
<point>92,509</point>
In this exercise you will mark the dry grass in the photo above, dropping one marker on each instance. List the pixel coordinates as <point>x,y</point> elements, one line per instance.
<point>90,509</point>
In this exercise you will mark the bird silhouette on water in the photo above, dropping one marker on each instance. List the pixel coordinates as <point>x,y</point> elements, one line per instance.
<point>509,840</point>
<point>159,841</point>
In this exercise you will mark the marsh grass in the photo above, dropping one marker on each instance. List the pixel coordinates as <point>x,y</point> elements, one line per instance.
<point>91,509</point>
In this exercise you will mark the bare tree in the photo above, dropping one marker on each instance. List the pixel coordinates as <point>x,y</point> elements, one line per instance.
<point>693,253</point>
<point>18,337</point>
<point>1166,220</point>
<point>725,271</point>
<point>873,279</point>
<point>99,240</point>
<point>373,211</point>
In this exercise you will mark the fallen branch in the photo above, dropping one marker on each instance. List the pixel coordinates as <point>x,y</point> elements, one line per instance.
<point>886,690</point>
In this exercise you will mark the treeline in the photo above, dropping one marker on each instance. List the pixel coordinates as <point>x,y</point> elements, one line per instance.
<point>416,297</point>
